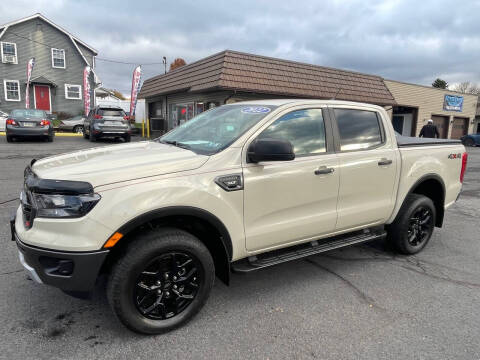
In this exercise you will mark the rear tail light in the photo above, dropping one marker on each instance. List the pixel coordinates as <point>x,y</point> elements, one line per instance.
<point>464,166</point>
<point>11,122</point>
<point>44,123</point>
<point>98,116</point>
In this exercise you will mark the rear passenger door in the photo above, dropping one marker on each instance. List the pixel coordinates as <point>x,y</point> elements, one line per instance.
<point>368,163</point>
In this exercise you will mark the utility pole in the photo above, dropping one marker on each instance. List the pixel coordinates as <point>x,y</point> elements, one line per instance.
<point>165,63</point>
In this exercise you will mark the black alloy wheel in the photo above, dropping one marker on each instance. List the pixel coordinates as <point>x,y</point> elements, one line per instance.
<point>413,227</point>
<point>420,226</point>
<point>167,286</point>
<point>163,279</point>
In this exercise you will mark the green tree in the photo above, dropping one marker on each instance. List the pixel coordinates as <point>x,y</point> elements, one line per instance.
<point>439,83</point>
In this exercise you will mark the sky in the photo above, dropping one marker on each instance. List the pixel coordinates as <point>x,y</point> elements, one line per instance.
<point>413,40</point>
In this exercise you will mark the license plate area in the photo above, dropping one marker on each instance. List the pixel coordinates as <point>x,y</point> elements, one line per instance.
<point>111,123</point>
<point>29,124</point>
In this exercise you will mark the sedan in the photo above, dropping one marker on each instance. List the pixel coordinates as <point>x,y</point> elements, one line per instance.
<point>74,124</point>
<point>471,139</point>
<point>29,123</point>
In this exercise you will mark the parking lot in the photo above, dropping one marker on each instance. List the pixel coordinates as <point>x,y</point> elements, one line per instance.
<point>362,302</point>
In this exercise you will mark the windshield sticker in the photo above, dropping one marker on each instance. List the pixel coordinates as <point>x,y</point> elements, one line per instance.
<point>255,110</point>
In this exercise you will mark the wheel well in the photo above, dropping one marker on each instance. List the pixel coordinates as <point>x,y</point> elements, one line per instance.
<point>209,234</point>
<point>435,190</point>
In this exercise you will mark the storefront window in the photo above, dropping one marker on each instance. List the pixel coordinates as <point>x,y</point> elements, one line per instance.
<point>180,113</point>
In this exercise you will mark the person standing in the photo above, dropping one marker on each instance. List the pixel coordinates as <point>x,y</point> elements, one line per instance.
<point>429,130</point>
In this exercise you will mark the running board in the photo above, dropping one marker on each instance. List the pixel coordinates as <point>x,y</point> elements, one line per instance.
<point>307,249</point>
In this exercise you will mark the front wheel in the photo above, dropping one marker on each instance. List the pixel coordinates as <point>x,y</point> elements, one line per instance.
<point>162,281</point>
<point>414,224</point>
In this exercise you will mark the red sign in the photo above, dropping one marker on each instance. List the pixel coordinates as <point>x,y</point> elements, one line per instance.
<point>137,76</point>
<point>30,65</point>
<point>86,89</point>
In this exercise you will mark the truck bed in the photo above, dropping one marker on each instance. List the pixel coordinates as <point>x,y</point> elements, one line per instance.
<point>404,141</point>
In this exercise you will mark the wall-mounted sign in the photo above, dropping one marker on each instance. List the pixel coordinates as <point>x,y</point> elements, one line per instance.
<point>453,103</point>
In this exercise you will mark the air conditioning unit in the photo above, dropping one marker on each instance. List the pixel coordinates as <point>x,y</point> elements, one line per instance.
<point>9,59</point>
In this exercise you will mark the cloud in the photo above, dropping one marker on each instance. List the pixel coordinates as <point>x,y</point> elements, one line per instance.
<point>414,41</point>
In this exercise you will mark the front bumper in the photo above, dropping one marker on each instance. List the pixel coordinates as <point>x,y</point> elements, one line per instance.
<point>69,271</point>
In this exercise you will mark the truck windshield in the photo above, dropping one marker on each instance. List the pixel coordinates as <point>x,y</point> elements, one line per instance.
<point>214,130</point>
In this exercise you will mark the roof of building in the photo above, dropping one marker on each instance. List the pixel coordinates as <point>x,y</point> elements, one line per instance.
<point>232,70</point>
<point>72,37</point>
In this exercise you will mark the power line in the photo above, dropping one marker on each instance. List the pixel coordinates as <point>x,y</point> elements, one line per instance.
<point>96,58</point>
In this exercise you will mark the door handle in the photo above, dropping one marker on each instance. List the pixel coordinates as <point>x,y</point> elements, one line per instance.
<point>324,170</point>
<point>384,162</point>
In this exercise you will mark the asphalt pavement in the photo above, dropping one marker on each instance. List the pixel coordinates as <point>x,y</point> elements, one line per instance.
<point>362,302</point>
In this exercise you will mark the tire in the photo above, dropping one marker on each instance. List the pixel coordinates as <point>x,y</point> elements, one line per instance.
<point>413,226</point>
<point>9,138</point>
<point>132,304</point>
<point>85,135</point>
<point>78,129</point>
<point>469,142</point>
<point>127,138</point>
<point>92,137</point>
<point>50,138</point>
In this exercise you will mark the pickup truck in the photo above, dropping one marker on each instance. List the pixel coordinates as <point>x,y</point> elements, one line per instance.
<point>238,188</point>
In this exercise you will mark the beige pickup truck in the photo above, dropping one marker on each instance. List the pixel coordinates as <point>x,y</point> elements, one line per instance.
<point>238,188</point>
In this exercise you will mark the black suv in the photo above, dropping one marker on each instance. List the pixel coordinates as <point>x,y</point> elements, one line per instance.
<point>107,121</point>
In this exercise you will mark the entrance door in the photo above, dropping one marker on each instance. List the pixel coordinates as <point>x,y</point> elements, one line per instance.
<point>442,125</point>
<point>459,127</point>
<point>42,97</point>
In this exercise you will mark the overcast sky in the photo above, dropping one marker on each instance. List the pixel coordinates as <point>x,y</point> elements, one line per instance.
<point>414,41</point>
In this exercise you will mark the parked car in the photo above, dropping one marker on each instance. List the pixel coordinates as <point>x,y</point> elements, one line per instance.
<point>241,187</point>
<point>29,123</point>
<point>74,124</point>
<point>3,120</point>
<point>107,121</point>
<point>471,140</point>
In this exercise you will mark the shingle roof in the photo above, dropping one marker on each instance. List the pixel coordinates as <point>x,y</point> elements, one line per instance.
<point>252,73</point>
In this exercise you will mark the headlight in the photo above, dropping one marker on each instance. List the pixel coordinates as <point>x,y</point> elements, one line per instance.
<point>64,206</point>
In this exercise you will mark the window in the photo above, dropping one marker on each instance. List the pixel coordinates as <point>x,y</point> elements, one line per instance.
<point>12,90</point>
<point>58,58</point>
<point>9,52</point>
<point>304,129</point>
<point>111,112</point>
<point>359,129</point>
<point>73,92</point>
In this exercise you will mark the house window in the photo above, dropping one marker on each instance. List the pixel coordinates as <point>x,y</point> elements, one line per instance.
<point>58,58</point>
<point>73,92</point>
<point>12,90</point>
<point>9,52</point>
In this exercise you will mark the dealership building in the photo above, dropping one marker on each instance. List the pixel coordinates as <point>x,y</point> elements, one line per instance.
<point>231,76</point>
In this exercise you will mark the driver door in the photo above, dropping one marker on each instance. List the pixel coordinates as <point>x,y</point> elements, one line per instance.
<point>292,201</point>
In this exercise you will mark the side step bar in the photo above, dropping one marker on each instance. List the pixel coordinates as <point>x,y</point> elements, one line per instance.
<point>303,250</point>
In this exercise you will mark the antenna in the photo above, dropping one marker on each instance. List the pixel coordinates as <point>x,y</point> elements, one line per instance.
<point>335,96</point>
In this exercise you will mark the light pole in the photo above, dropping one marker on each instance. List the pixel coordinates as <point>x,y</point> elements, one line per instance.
<point>165,63</point>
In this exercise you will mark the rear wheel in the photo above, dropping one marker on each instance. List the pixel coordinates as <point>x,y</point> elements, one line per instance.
<point>469,142</point>
<point>92,137</point>
<point>78,129</point>
<point>414,224</point>
<point>50,138</point>
<point>127,138</point>
<point>9,138</point>
<point>162,281</point>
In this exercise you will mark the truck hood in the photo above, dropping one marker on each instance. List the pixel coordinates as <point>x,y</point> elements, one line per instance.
<point>116,163</point>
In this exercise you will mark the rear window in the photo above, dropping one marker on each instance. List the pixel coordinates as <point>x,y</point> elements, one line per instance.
<point>359,129</point>
<point>111,112</point>
<point>30,113</point>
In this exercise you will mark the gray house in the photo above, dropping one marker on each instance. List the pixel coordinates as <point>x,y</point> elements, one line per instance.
<point>57,79</point>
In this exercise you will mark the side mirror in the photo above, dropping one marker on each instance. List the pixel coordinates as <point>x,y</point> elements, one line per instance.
<point>270,150</point>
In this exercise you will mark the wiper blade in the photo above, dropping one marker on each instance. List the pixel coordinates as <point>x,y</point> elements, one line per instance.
<point>176,143</point>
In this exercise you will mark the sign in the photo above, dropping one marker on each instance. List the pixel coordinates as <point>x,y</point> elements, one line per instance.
<point>30,65</point>
<point>453,103</point>
<point>86,89</point>
<point>255,110</point>
<point>136,78</point>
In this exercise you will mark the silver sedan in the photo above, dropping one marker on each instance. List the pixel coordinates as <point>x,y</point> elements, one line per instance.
<point>74,124</point>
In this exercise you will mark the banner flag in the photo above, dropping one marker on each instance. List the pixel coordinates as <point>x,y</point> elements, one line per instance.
<point>86,89</point>
<point>137,76</point>
<point>30,65</point>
